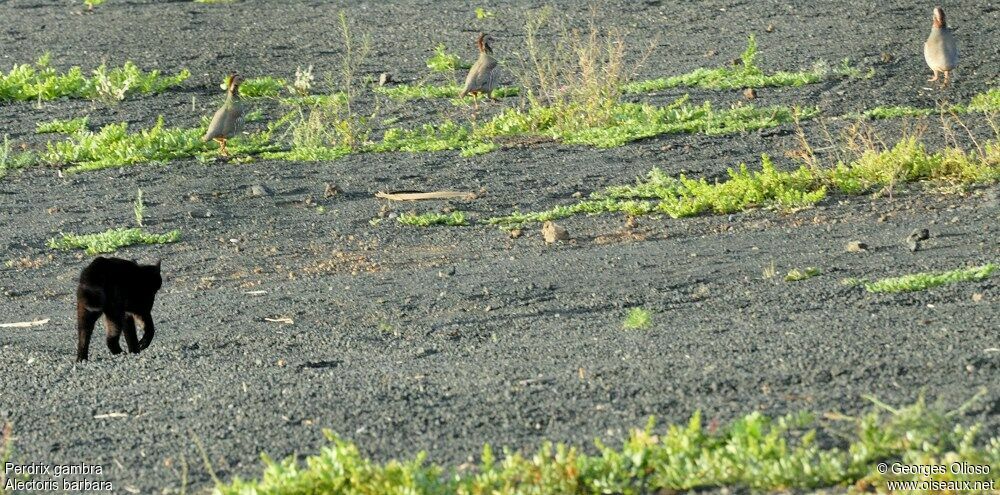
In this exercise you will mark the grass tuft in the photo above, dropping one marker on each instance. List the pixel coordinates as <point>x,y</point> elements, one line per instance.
<point>442,61</point>
<point>746,75</point>
<point>795,275</point>
<point>62,126</point>
<point>111,240</point>
<point>637,319</point>
<point>408,92</point>
<point>453,219</point>
<point>261,87</point>
<point>923,281</point>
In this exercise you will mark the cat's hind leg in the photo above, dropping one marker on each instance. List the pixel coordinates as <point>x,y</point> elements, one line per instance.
<point>147,330</point>
<point>85,321</point>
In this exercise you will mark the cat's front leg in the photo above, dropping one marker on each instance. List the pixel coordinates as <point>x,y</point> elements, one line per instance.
<point>114,322</point>
<point>128,328</point>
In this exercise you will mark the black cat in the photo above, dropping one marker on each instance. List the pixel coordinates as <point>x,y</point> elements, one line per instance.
<point>123,291</point>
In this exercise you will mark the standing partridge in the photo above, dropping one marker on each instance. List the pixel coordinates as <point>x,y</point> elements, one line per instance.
<point>482,78</point>
<point>941,48</point>
<point>228,120</point>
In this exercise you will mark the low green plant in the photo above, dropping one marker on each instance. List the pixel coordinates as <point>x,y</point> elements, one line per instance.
<point>62,126</point>
<point>923,281</point>
<point>111,240</point>
<point>92,3</point>
<point>637,319</point>
<point>657,193</point>
<point>753,453</point>
<point>986,102</point>
<point>442,61</point>
<point>627,122</point>
<point>795,275</point>
<point>897,112</point>
<point>408,92</point>
<point>453,219</point>
<point>42,82</point>
<point>10,160</point>
<point>261,87</point>
<point>114,146</point>
<point>908,160</point>
<point>746,75</point>
<point>684,197</point>
<point>482,14</point>
<point>428,137</point>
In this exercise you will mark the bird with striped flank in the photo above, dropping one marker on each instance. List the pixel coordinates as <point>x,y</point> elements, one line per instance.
<point>228,120</point>
<point>482,78</point>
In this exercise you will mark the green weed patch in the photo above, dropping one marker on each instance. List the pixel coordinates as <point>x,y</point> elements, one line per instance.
<point>42,82</point>
<point>745,75</point>
<point>923,281</point>
<point>62,126</point>
<point>754,452</point>
<point>453,219</point>
<point>657,193</point>
<point>112,240</point>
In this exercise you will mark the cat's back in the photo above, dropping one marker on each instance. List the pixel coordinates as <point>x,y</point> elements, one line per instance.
<point>107,271</point>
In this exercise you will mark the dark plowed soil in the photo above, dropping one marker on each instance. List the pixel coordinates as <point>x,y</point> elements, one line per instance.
<point>405,339</point>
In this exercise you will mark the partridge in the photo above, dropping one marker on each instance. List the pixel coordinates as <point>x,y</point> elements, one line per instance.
<point>482,78</point>
<point>941,48</point>
<point>228,120</point>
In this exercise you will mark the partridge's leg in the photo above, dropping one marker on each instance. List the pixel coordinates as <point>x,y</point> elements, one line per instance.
<point>935,78</point>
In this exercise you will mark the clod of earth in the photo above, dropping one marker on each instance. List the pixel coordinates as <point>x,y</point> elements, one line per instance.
<point>856,247</point>
<point>552,232</point>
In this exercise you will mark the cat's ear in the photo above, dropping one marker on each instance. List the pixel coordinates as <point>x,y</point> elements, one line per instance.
<point>158,262</point>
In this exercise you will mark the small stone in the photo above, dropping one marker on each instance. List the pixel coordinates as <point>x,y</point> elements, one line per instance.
<point>260,190</point>
<point>856,247</point>
<point>750,94</point>
<point>514,234</point>
<point>200,213</point>
<point>578,195</point>
<point>913,245</point>
<point>769,28</point>
<point>194,198</point>
<point>552,233</point>
<point>977,297</point>
<point>631,222</point>
<point>887,57</point>
<point>384,78</point>
<point>920,234</point>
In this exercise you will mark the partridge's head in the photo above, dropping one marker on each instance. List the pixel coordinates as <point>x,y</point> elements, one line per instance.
<point>483,42</point>
<point>939,17</point>
<point>233,81</point>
